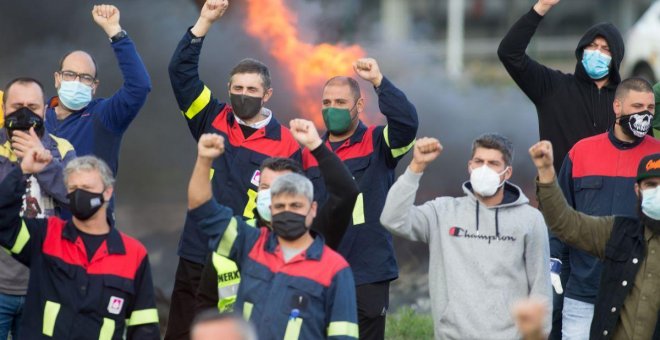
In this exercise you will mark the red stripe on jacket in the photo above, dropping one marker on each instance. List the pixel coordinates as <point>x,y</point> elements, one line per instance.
<point>123,265</point>
<point>321,271</point>
<point>597,152</point>
<point>362,148</point>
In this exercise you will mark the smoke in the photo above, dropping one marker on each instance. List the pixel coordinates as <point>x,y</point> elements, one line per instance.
<point>158,152</point>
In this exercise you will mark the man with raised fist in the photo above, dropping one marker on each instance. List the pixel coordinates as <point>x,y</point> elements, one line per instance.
<point>488,249</point>
<point>95,126</point>
<point>252,134</point>
<point>371,153</point>
<point>292,285</point>
<point>628,303</point>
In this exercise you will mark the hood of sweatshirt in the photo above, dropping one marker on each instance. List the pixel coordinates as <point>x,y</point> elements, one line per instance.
<point>615,42</point>
<point>513,196</point>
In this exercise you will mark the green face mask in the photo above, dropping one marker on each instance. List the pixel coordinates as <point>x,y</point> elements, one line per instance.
<point>337,121</point>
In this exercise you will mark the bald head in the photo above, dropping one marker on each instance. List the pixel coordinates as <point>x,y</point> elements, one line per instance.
<point>79,62</point>
<point>345,81</point>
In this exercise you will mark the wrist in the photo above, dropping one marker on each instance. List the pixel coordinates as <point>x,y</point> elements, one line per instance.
<point>546,175</point>
<point>416,167</point>
<point>376,82</point>
<point>204,161</point>
<point>201,27</point>
<point>113,30</point>
<point>541,9</point>
<point>314,145</point>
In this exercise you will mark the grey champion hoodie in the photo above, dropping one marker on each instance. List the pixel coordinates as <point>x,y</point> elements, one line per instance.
<point>482,259</point>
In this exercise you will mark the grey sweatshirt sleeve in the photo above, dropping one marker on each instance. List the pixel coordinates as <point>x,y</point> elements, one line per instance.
<point>401,217</point>
<point>537,258</point>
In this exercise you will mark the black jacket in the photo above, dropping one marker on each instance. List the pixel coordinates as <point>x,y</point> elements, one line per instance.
<point>626,242</point>
<point>569,106</point>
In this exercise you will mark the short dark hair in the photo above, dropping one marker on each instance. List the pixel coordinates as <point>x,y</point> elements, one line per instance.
<point>96,67</point>
<point>281,164</point>
<point>249,65</point>
<point>343,80</point>
<point>637,84</point>
<point>495,141</point>
<point>21,80</point>
<point>212,315</point>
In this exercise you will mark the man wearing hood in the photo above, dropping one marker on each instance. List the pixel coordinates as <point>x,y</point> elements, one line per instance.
<point>488,249</point>
<point>597,178</point>
<point>628,303</point>
<point>570,107</point>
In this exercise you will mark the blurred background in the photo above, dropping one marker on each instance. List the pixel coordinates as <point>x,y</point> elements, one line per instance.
<point>441,53</point>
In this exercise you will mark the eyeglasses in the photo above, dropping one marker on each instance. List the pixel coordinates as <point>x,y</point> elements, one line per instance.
<point>71,76</point>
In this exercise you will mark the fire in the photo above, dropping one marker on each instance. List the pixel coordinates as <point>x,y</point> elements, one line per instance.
<point>308,65</point>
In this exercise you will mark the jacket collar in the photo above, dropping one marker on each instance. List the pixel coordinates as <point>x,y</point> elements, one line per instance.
<point>623,145</point>
<point>354,138</point>
<point>313,252</point>
<point>272,131</point>
<point>114,241</point>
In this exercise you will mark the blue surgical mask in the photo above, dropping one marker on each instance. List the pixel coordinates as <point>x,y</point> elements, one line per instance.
<point>651,203</point>
<point>596,64</point>
<point>263,204</point>
<point>74,95</point>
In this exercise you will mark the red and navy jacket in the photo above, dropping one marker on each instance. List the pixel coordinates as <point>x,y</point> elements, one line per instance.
<point>371,154</point>
<point>68,296</point>
<point>235,175</point>
<point>598,179</point>
<point>312,296</point>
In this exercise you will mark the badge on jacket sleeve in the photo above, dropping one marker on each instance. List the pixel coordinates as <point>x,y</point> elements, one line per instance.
<point>255,178</point>
<point>115,304</point>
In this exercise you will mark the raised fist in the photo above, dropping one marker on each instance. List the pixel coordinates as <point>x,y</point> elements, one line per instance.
<point>210,146</point>
<point>367,69</point>
<point>305,133</point>
<point>425,151</point>
<point>107,17</point>
<point>541,154</point>
<point>214,9</point>
<point>35,160</point>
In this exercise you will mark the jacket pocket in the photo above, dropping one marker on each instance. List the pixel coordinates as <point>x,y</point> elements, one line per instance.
<point>305,297</point>
<point>117,294</point>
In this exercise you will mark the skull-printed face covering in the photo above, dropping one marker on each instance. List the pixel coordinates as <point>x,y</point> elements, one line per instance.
<point>636,125</point>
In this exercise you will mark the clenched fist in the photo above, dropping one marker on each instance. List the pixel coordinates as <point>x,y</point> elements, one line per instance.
<point>529,315</point>
<point>35,160</point>
<point>210,146</point>
<point>305,133</point>
<point>541,154</point>
<point>107,17</point>
<point>425,151</point>
<point>212,10</point>
<point>367,69</point>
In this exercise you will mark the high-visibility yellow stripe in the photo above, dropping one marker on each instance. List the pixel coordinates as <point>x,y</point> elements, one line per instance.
<point>252,222</point>
<point>22,239</point>
<point>50,316</point>
<point>2,114</point>
<point>398,152</point>
<point>107,329</point>
<point>358,210</point>
<point>143,316</point>
<point>199,103</point>
<point>251,204</point>
<point>247,310</point>
<point>228,281</point>
<point>228,238</point>
<point>63,145</point>
<point>343,328</point>
<point>6,152</point>
<point>211,173</point>
<point>293,329</point>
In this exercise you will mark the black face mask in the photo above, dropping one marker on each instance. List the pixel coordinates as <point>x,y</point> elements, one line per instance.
<point>245,107</point>
<point>84,204</point>
<point>289,225</point>
<point>23,119</point>
<point>636,125</point>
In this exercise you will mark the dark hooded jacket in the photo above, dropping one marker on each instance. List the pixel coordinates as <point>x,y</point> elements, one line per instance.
<point>569,106</point>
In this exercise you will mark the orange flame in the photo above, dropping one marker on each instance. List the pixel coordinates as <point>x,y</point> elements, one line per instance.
<point>309,66</point>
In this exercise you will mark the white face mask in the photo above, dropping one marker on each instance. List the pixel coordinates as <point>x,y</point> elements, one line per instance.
<point>651,203</point>
<point>263,204</point>
<point>485,181</point>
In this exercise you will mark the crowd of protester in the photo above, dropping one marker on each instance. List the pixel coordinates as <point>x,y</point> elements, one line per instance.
<point>288,233</point>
